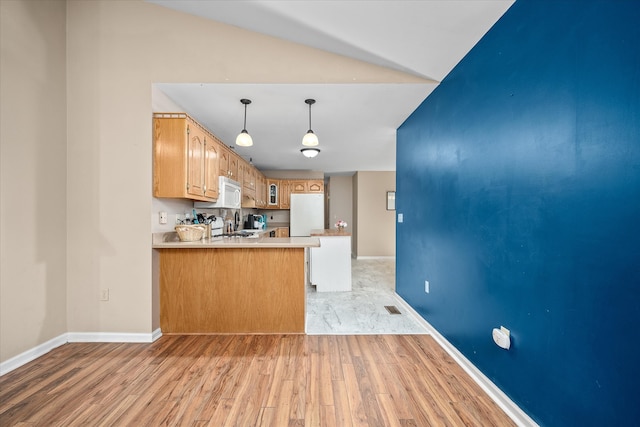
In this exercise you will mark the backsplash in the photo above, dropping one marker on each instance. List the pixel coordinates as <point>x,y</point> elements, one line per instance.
<point>177,208</point>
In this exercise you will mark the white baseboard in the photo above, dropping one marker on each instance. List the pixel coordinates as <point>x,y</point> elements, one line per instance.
<point>156,334</point>
<point>31,354</point>
<point>112,337</point>
<point>498,396</point>
<point>42,349</point>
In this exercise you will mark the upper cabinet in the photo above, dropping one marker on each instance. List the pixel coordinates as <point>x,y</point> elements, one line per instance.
<point>188,159</point>
<point>278,191</point>
<point>185,158</point>
<point>307,186</point>
<point>298,186</point>
<point>229,164</point>
<point>254,186</point>
<point>249,182</point>
<point>273,193</point>
<point>261,190</point>
<point>285,194</point>
<point>315,186</point>
<point>211,167</point>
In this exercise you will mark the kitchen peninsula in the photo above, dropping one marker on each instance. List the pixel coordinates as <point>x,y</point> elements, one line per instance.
<point>233,285</point>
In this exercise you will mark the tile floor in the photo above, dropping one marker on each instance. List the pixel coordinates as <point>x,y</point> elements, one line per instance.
<point>361,311</point>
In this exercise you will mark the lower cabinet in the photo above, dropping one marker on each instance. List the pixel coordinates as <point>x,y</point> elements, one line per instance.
<point>213,291</point>
<point>282,232</point>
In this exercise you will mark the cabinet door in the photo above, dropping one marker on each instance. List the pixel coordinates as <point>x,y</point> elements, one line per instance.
<point>261,189</point>
<point>211,168</point>
<point>246,176</point>
<point>234,166</point>
<point>285,194</point>
<point>252,178</point>
<point>224,160</point>
<point>170,140</point>
<point>316,186</point>
<point>299,186</point>
<point>195,160</point>
<point>273,193</point>
<point>240,178</point>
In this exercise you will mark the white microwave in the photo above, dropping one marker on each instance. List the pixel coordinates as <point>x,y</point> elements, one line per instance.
<point>229,195</point>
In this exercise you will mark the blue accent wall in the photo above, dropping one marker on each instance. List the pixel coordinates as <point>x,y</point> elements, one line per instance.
<point>519,182</point>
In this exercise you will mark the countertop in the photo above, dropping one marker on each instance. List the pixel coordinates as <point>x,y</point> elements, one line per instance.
<point>171,240</point>
<point>329,233</point>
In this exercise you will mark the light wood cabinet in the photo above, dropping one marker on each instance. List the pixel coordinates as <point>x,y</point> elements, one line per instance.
<point>286,187</point>
<point>307,186</point>
<point>188,159</point>
<point>282,232</point>
<point>285,194</point>
<point>211,291</point>
<point>211,167</point>
<point>183,163</point>
<point>261,190</point>
<point>315,186</point>
<point>273,193</point>
<point>234,166</point>
<point>254,186</point>
<point>299,186</point>
<point>229,163</point>
<point>249,178</point>
<point>224,161</point>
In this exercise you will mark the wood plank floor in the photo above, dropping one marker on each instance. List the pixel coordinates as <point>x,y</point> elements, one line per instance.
<point>249,380</point>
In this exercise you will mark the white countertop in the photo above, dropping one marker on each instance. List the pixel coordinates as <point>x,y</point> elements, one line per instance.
<point>172,241</point>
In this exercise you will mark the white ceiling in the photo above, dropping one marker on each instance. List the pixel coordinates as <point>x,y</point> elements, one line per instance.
<point>355,123</point>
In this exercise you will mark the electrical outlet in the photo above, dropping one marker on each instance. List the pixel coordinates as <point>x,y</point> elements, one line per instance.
<point>163,217</point>
<point>400,218</point>
<point>426,286</point>
<point>104,295</point>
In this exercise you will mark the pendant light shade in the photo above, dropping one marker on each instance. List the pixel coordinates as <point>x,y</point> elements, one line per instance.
<point>244,139</point>
<point>310,139</point>
<point>310,152</point>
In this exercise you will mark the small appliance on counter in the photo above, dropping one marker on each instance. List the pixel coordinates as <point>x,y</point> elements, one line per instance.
<point>258,222</point>
<point>253,222</point>
<point>217,225</point>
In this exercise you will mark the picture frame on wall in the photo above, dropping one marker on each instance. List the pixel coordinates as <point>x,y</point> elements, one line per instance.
<point>391,200</point>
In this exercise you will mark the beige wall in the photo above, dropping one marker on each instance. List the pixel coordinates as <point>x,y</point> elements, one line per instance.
<point>33,268</point>
<point>341,203</point>
<point>116,50</point>
<point>375,226</point>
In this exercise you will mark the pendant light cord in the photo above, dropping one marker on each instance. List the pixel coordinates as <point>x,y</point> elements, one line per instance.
<point>245,117</point>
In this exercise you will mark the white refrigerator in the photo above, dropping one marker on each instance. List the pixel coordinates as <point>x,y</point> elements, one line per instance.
<point>306,213</point>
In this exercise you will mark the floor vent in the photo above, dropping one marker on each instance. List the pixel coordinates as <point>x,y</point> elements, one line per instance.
<point>392,309</point>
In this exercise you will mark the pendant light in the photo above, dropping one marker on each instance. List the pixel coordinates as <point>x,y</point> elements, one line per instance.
<point>310,139</point>
<point>244,139</point>
<point>310,152</point>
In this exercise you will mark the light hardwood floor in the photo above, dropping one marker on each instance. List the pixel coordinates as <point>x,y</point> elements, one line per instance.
<point>248,380</point>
